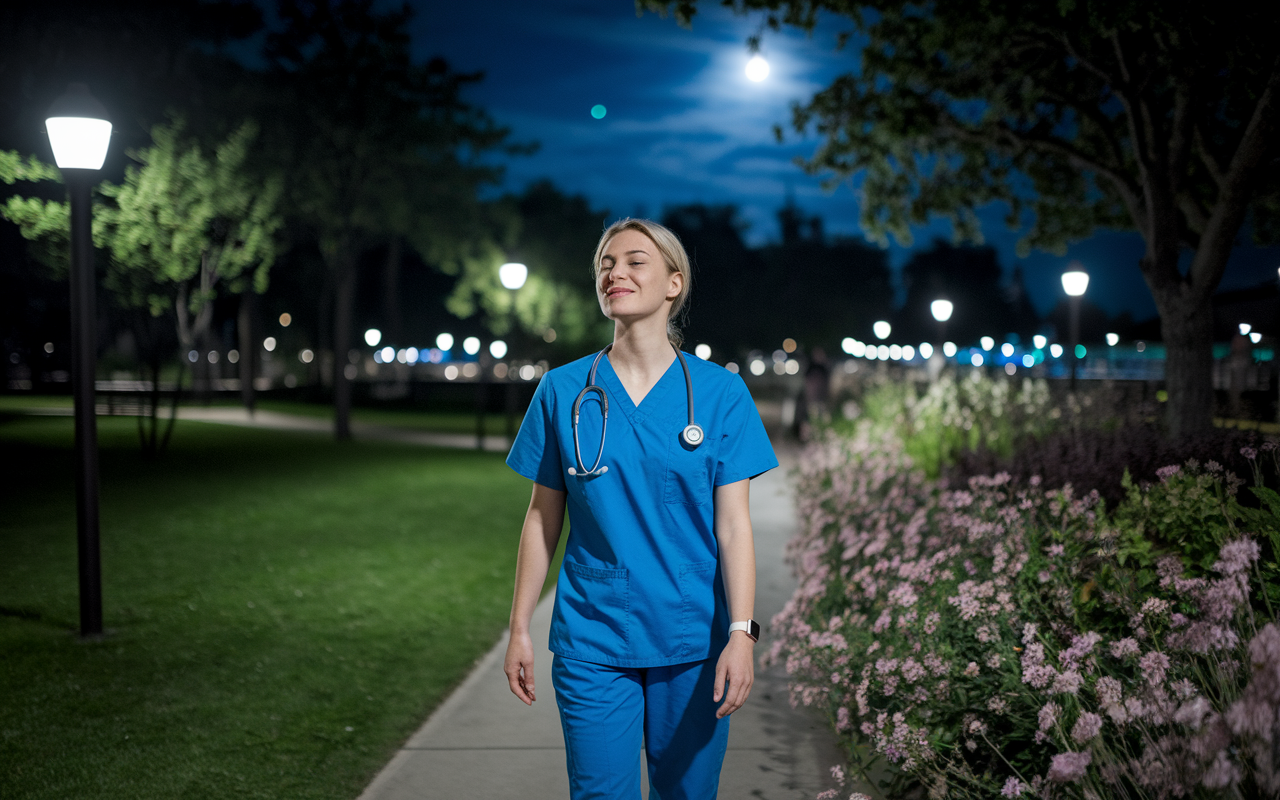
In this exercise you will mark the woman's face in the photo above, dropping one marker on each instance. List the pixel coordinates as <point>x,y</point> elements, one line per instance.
<point>634,281</point>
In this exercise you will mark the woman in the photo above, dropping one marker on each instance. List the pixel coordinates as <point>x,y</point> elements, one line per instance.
<point>652,630</point>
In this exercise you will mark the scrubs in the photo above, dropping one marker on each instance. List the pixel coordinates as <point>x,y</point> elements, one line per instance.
<point>640,586</point>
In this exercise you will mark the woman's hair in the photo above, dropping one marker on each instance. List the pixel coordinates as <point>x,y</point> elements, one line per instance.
<point>673,254</point>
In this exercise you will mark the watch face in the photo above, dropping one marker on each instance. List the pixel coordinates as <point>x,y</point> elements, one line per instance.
<point>754,630</point>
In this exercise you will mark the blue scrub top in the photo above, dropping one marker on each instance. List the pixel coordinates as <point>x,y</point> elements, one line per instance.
<point>640,585</point>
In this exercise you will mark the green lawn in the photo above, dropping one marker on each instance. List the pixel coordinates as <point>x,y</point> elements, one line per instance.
<point>283,611</point>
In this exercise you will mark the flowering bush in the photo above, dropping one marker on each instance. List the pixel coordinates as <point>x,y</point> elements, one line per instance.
<point>1010,639</point>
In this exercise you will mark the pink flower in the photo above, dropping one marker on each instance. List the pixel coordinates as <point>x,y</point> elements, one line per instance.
<point>1153,666</point>
<point>1049,715</point>
<point>1237,556</point>
<point>1221,773</point>
<point>1249,453</point>
<point>1124,647</point>
<point>1013,788</point>
<point>1165,473</point>
<point>1069,767</point>
<point>1069,682</point>
<point>1108,690</point>
<point>971,670</point>
<point>1088,725</point>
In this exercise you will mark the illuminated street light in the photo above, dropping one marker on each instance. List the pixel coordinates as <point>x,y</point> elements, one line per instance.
<point>513,275</point>
<point>1113,339</point>
<point>941,310</point>
<point>1074,283</point>
<point>79,132</point>
<point>1245,328</point>
<point>471,345</point>
<point>1255,337</point>
<point>372,337</point>
<point>445,342</point>
<point>881,329</point>
<point>949,349</point>
<point>703,351</point>
<point>1039,341</point>
<point>498,348</point>
<point>987,343</point>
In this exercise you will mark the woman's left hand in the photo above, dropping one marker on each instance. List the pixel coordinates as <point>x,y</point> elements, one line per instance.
<point>737,666</point>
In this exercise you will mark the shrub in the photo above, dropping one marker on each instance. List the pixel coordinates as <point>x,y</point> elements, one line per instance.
<point>1008,639</point>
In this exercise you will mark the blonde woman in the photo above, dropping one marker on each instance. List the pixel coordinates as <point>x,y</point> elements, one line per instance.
<point>652,631</point>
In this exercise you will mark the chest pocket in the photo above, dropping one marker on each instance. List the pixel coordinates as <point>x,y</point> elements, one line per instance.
<point>690,472</point>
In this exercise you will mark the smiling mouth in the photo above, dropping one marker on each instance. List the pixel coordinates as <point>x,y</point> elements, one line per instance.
<point>617,292</point>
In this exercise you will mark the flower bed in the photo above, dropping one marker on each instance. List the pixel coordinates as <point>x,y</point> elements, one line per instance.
<point>1007,639</point>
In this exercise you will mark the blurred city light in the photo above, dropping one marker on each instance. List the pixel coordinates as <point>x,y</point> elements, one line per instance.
<point>1113,339</point>
<point>388,355</point>
<point>789,345</point>
<point>1010,368</point>
<point>793,366</point>
<point>702,351</point>
<point>987,343</point>
<point>779,368</point>
<point>471,345</point>
<point>470,370</point>
<point>847,343</point>
<point>526,372</point>
<point>1080,351</point>
<point>1006,350</point>
<point>757,68</point>
<point>941,310</point>
<point>757,366</point>
<point>908,352</point>
<point>434,355</point>
<point>779,356</point>
<point>859,349</point>
<point>306,356</point>
<point>1245,328</point>
<point>1028,360</point>
<point>445,341</point>
<point>871,353</point>
<point>949,349</point>
<point>451,372</point>
<point>1055,350</point>
<point>881,329</point>
<point>976,359</point>
<point>1255,337</point>
<point>1075,282</point>
<point>1039,341</point>
<point>549,335</point>
<point>193,356</point>
<point>213,356</point>
<point>598,111</point>
<point>500,370</point>
<point>286,319</point>
<point>1140,346</point>
<point>233,356</point>
<point>513,275</point>
<point>882,352</point>
<point>48,346</point>
<point>926,350</point>
<point>269,343</point>
<point>895,352</point>
<point>411,355</point>
<point>498,348</point>
<point>732,366</point>
<point>372,337</point>
<point>377,356</point>
<point>402,356</point>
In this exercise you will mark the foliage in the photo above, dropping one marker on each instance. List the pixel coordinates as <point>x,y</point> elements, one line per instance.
<point>957,415</point>
<point>1012,639</point>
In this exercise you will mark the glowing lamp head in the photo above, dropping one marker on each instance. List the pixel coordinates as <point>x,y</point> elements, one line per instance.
<point>1039,341</point>
<point>445,341</point>
<point>372,337</point>
<point>1245,328</point>
<point>987,342</point>
<point>79,130</point>
<point>513,275</point>
<point>757,69</point>
<point>882,329</point>
<point>941,310</point>
<point>1075,282</point>
<point>498,348</point>
<point>1113,339</point>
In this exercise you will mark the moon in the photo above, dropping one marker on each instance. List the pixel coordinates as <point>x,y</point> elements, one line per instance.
<point>757,68</point>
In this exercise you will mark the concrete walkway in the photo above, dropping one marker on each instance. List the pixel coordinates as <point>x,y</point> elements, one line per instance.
<point>484,743</point>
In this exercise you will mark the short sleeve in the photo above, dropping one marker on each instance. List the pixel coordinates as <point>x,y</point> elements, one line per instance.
<point>746,451</point>
<point>535,454</point>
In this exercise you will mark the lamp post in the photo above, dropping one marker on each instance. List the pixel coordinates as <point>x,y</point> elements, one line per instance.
<point>79,133</point>
<point>513,277</point>
<point>1074,283</point>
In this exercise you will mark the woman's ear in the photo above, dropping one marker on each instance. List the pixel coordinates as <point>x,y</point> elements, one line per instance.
<point>676,284</point>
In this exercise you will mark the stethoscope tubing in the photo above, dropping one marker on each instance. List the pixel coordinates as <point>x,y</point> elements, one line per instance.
<point>692,435</point>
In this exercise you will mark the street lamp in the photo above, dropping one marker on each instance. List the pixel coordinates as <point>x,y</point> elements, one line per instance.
<point>79,132</point>
<point>1074,283</point>
<point>513,277</point>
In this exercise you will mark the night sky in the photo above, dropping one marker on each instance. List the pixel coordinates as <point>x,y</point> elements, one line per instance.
<point>685,125</point>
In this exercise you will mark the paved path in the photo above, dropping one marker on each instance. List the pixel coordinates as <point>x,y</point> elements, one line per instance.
<point>483,743</point>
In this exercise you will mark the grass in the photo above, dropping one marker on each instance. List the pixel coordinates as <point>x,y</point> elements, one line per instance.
<point>282,611</point>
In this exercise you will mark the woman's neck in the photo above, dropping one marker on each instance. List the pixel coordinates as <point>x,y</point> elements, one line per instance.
<point>641,347</point>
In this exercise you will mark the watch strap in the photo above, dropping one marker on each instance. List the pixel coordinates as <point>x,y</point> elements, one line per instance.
<point>750,627</point>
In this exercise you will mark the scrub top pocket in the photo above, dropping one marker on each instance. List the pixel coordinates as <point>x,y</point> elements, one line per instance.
<point>599,604</point>
<point>688,479</point>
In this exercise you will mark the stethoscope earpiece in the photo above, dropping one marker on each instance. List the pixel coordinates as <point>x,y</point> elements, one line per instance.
<point>691,436</point>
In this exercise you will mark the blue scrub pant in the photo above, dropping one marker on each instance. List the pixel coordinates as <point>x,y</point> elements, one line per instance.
<point>605,712</point>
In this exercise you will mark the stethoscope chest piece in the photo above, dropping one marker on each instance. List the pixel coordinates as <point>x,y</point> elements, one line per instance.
<point>692,435</point>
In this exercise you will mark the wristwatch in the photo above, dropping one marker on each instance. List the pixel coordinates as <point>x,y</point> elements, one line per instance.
<point>749,627</point>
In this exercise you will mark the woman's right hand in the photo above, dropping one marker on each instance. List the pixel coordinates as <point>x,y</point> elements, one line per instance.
<point>519,667</point>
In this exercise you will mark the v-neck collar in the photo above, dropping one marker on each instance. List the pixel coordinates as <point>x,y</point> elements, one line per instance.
<point>651,401</point>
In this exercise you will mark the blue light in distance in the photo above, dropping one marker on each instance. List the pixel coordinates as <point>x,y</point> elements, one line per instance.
<point>598,111</point>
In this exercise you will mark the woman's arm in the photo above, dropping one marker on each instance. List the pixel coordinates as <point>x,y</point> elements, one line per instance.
<point>738,566</point>
<point>538,539</point>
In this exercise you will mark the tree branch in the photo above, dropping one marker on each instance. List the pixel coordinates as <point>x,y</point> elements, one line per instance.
<point>1210,162</point>
<point>1256,147</point>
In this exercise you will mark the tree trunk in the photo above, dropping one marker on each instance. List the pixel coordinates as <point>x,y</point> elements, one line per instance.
<point>248,353</point>
<point>343,310</point>
<point>1186,323</point>
<point>391,294</point>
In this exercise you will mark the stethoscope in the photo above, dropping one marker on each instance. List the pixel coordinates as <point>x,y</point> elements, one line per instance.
<point>691,436</point>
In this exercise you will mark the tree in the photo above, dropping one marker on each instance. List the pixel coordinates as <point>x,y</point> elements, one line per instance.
<point>1079,115</point>
<point>377,148</point>
<point>183,221</point>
